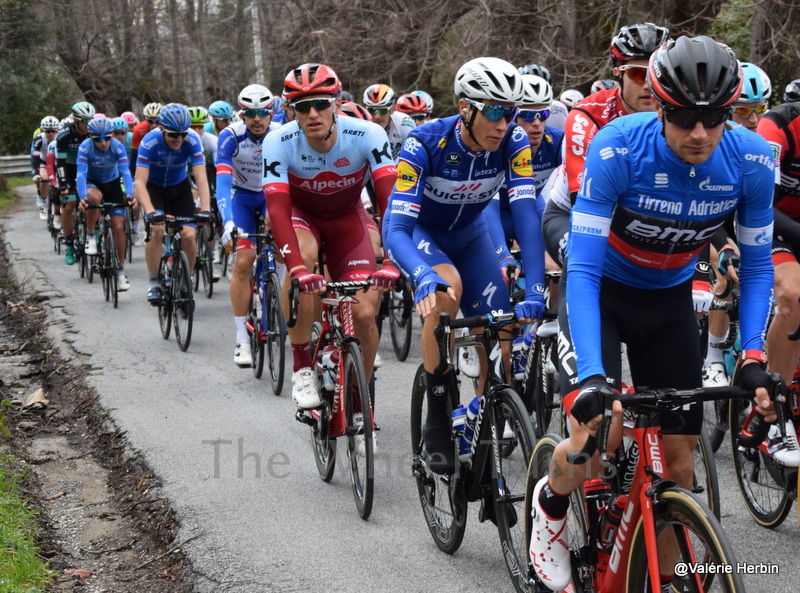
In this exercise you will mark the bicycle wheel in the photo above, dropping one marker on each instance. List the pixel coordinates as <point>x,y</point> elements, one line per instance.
<point>206,255</point>
<point>513,426</point>
<point>256,335</point>
<point>400,306</point>
<point>577,525</point>
<point>541,384</point>
<point>274,328</point>
<point>360,436</point>
<point>715,420</point>
<point>182,300</point>
<point>705,485</point>
<point>324,446</point>
<point>113,267</point>
<point>79,245</point>
<point>763,482</point>
<point>105,266</point>
<point>700,538</point>
<point>442,497</point>
<point>129,234</point>
<point>165,308</point>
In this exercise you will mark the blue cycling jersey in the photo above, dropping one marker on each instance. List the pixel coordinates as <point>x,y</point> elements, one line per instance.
<point>102,166</point>
<point>642,216</point>
<point>168,167</point>
<point>443,187</point>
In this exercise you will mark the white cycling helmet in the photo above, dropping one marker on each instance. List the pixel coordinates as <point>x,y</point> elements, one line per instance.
<point>379,95</point>
<point>536,90</point>
<point>571,97</point>
<point>488,79</point>
<point>49,123</point>
<point>255,96</point>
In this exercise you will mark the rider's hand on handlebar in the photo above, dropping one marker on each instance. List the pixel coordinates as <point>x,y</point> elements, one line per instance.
<point>532,308</point>
<point>587,408</point>
<point>427,284</point>
<point>83,204</point>
<point>754,377</point>
<point>226,236</point>
<point>702,296</point>
<point>309,282</point>
<point>385,278</point>
<point>155,217</point>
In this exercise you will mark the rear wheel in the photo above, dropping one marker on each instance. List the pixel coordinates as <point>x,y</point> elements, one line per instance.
<point>324,446</point>
<point>182,301</point>
<point>203,270</point>
<point>400,308</point>
<point>129,232</point>
<point>274,329</point>
<point>441,496</point>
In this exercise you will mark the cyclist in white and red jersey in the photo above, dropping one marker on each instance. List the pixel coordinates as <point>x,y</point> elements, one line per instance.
<point>380,100</point>
<point>314,169</point>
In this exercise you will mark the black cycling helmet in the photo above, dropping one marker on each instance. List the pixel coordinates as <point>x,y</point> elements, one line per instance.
<point>637,42</point>
<point>792,92</point>
<point>695,72</point>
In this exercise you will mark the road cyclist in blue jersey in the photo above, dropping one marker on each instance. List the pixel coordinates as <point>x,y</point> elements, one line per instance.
<point>102,164</point>
<point>447,173</point>
<point>655,188</point>
<point>162,186</point>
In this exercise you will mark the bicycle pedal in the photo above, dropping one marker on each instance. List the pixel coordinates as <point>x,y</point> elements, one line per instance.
<point>304,417</point>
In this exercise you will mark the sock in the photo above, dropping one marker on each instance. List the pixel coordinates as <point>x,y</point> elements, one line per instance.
<point>152,279</point>
<point>436,395</point>
<point>301,355</point>
<point>241,329</point>
<point>714,352</point>
<point>554,504</point>
<point>68,240</point>
<point>666,583</point>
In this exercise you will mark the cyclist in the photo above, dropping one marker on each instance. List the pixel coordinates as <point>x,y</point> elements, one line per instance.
<point>162,186</point>
<point>48,126</point>
<point>428,102</point>
<point>792,92</point>
<point>68,140</point>
<point>314,168</point>
<point>753,103</point>
<point>130,118</point>
<point>102,161</point>
<point>221,115</point>
<point>240,199</point>
<point>414,107</point>
<point>447,174</point>
<point>121,133</point>
<point>603,84</point>
<point>655,187</point>
<point>558,111</point>
<point>571,97</point>
<point>353,109</point>
<point>379,100</point>
<point>140,130</point>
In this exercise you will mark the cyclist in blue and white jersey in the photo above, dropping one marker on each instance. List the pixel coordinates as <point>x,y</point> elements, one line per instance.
<point>240,199</point>
<point>655,188</point>
<point>558,110</point>
<point>447,173</point>
<point>48,126</point>
<point>380,99</point>
<point>102,161</point>
<point>162,186</point>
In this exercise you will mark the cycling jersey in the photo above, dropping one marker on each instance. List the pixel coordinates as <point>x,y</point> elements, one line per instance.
<point>442,190</point>
<point>323,185</point>
<point>168,167</point>
<point>642,215</point>
<point>239,165</point>
<point>38,152</point>
<point>558,115</point>
<point>400,125</point>
<point>780,126</point>
<point>140,130</point>
<point>67,143</point>
<point>102,166</point>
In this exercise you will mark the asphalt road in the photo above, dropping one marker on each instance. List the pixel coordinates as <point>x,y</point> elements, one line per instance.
<point>239,470</point>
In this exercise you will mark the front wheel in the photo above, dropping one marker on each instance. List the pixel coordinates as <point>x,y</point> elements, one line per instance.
<point>443,501</point>
<point>165,308</point>
<point>700,539</point>
<point>360,435</point>
<point>273,326</point>
<point>401,305</point>
<point>254,329</point>
<point>182,300</point>
<point>705,484</point>
<point>324,446</point>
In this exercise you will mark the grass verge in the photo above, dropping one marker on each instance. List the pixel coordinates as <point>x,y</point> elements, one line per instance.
<point>7,185</point>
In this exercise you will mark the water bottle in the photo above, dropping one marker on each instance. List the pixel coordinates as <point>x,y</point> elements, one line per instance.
<point>473,411</point>
<point>610,522</point>
<point>168,271</point>
<point>519,353</point>
<point>330,360</point>
<point>459,427</point>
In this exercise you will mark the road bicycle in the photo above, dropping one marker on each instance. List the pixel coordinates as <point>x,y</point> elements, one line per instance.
<point>346,410</point>
<point>174,277</point>
<point>130,233</point>
<point>397,305</point>
<point>53,200</point>
<point>204,263</point>
<point>85,262</point>
<point>608,558</point>
<point>107,264</point>
<point>265,321</point>
<point>494,469</point>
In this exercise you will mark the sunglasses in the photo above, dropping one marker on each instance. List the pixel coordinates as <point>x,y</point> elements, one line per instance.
<point>378,110</point>
<point>176,134</point>
<point>637,74</point>
<point>83,120</point>
<point>687,117</point>
<point>530,115</point>
<point>495,113</point>
<point>101,138</point>
<point>257,112</point>
<point>224,120</point>
<point>316,104</point>
<point>152,122</point>
<point>419,116</point>
<point>120,133</point>
<point>748,111</point>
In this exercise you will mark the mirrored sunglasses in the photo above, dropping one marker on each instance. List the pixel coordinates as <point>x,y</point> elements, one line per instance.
<point>637,74</point>
<point>419,116</point>
<point>316,104</point>
<point>257,112</point>
<point>494,113</point>
<point>101,138</point>
<point>378,110</point>
<point>687,117</point>
<point>176,134</point>
<point>742,111</point>
<point>530,115</point>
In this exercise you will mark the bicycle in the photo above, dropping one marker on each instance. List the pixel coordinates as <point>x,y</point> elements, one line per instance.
<point>129,234</point>
<point>494,469</point>
<point>53,200</point>
<point>397,305</point>
<point>107,262</point>
<point>204,264</point>
<point>174,277</point>
<point>265,320</point>
<point>85,262</point>
<point>606,557</point>
<point>346,409</point>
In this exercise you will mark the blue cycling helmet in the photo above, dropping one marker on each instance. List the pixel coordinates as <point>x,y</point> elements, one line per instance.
<point>220,109</point>
<point>175,117</point>
<point>757,86</point>
<point>101,127</point>
<point>119,123</point>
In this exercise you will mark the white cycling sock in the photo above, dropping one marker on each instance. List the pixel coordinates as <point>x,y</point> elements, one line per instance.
<point>715,351</point>
<point>241,329</point>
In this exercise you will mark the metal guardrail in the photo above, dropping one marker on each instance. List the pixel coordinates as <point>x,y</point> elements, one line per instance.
<point>15,165</point>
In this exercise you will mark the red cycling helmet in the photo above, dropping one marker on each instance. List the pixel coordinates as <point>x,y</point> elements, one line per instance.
<point>353,109</point>
<point>410,103</point>
<point>311,79</point>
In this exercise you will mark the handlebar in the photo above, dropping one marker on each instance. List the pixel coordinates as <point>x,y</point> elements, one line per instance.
<point>442,331</point>
<point>173,222</point>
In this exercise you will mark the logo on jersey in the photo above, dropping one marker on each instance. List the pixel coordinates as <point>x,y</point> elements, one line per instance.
<point>662,180</point>
<point>518,134</point>
<point>706,185</point>
<point>521,164</point>
<point>763,159</point>
<point>310,158</point>
<point>607,153</point>
<point>342,162</point>
<point>380,154</point>
<point>404,207</point>
<point>271,168</point>
<point>442,142</point>
<point>407,176</point>
<point>328,185</point>
<point>577,136</point>
<point>411,145</point>
<point>453,159</point>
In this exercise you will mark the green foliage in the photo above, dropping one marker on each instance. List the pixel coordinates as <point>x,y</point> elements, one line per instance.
<point>7,185</point>
<point>732,27</point>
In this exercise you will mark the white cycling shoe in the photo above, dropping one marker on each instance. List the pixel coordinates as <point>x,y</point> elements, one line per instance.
<point>304,389</point>
<point>549,548</point>
<point>715,375</point>
<point>468,362</point>
<point>122,283</point>
<point>358,420</point>
<point>785,451</point>
<point>242,356</point>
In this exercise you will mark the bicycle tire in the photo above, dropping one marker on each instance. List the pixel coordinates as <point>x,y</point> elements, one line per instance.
<point>274,327</point>
<point>256,335</point>
<point>182,300</point>
<point>444,504</point>
<point>715,420</point>
<point>208,266</point>
<point>90,264</point>
<point>694,526</point>
<point>540,385</point>
<point>324,446</point>
<point>78,246</point>
<point>762,482</point>
<point>360,439</point>
<point>577,524</point>
<point>400,320</point>
<point>165,308</point>
<point>706,484</point>
<point>508,482</point>
<point>113,268</point>
<point>105,266</point>
<point>129,234</point>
